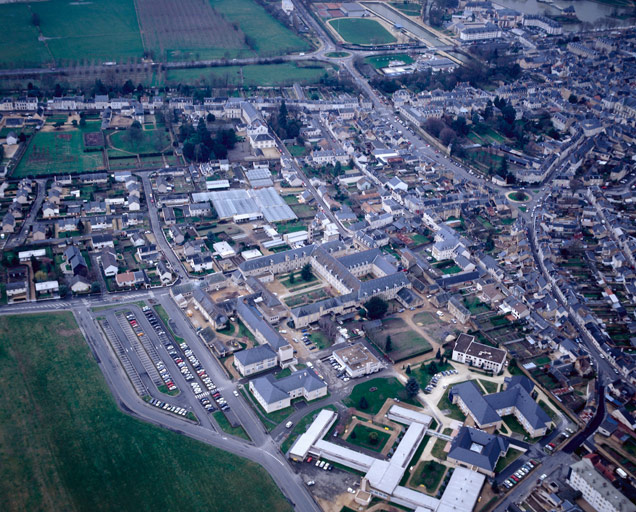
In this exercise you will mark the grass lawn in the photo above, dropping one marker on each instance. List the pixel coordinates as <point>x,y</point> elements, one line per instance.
<point>429,474</point>
<point>548,410</point>
<point>79,452</point>
<point>408,8</point>
<point>362,436</point>
<point>153,141</point>
<point>297,151</point>
<point>490,387</point>
<point>56,153</point>
<point>423,375</point>
<point>475,306</point>
<point>438,449</point>
<point>454,411</point>
<point>513,424</point>
<point>382,61</point>
<point>361,31</point>
<point>226,427</point>
<point>244,332</point>
<point>337,55</point>
<point>510,457</point>
<point>420,239</point>
<point>384,389</point>
<point>405,343</point>
<point>320,340</point>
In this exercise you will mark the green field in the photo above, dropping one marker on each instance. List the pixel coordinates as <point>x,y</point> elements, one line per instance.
<point>249,76</point>
<point>153,141</point>
<point>382,61</point>
<point>429,474</point>
<point>269,35</point>
<point>361,31</point>
<point>66,446</point>
<point>361,436</point>
<point>102,30</point>
<point>408,8</point>
<point>508,459</point>
<point>384,389</point>
<point>56,153</point>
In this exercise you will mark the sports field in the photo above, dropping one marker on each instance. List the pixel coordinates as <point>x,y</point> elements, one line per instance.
<point>57,153</point>
<point>361,31</point>
<point>265,75</point>
<point>382,61</point>
<point>65,446</point>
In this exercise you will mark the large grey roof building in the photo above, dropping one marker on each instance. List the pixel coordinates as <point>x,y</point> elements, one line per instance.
<point>477,450</point>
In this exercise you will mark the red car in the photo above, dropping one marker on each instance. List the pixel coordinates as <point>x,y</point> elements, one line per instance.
<point>309,459</point>
<point>514,478</point>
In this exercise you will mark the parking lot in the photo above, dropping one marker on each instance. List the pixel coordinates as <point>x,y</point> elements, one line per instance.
<point>437,377</point>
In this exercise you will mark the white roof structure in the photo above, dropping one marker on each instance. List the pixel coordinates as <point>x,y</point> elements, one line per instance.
<point>462,491</point>
<point>224,249</point>
<point>36,253</point>
<point>46,286</point>
<point>408,416</point>
<point>353,459</point>
<point>386,475</point>
<point>267,201</point>
<point>251,254</point>
<point>315,432</point>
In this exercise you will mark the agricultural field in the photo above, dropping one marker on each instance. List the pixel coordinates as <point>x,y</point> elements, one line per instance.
<point>249,76</point>
<point>80,452</point>
<point>189,29</point>
<point>117,30</point>
<point>77,31</point>
<point>382,61</point>
<point>56,153</point>
<point>361,31</point>
<point>265,35</point>
<point>25,49</point>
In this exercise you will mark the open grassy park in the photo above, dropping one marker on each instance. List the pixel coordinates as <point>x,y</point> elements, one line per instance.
<point>58,152</point>
<point>405,342</point>
<point>66,446</point>
<point>369,438</point>
<point>376,392</point>
<point>152,141</point>
<point>362,31</point>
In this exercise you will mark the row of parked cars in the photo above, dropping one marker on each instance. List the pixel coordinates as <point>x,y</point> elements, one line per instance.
<point>306,340</point>
<point>322,464</point>
<point>436,378</point>
<point>161,367</point>
<point>340,371</point>
<point>520,474</point>
<point>168,407</point>
<point>178,353</point>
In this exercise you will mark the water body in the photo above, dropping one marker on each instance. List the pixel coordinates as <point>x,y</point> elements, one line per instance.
<point>587,11</point>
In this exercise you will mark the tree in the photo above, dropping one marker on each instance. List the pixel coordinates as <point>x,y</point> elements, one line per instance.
<point>374,438</point>
<point>306,273</point>
<point>128,87</point>
<point>292,278</point>
<point>58,124</point>
<point>388,344</point>
<point>408,369</point>
<point>210,118</point>
<point>95,287</point>
<point>80,227</point>
<point>363,405</point>
<point>376,308</point>
<point>35,19</point>
<point>412,387</point>
<point>432,368</point>
<point>1,152</point>
<point>439,353</point>
<point>573,98</point>
<point>40,276</point>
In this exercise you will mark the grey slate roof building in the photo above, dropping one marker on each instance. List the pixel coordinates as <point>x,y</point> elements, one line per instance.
<point>477,450</point>
<point>515,399</point>
<point>274,394</point>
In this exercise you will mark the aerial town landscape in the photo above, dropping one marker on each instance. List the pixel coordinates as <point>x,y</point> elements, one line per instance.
<point>318,256</point>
